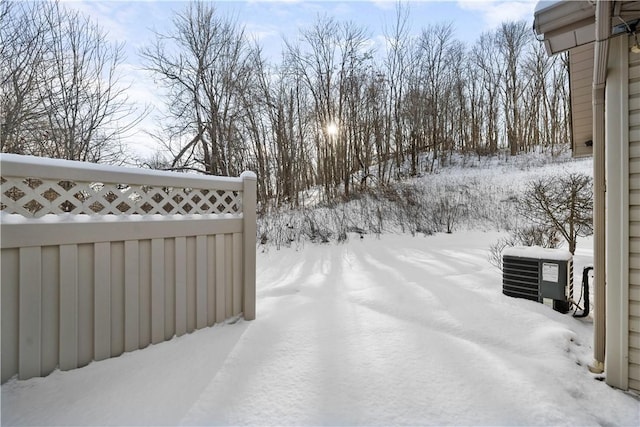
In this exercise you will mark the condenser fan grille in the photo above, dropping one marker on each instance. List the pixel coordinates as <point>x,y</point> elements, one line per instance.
<point>520,278</point>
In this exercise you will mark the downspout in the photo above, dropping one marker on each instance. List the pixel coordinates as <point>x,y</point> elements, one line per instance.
<point>616,364</point>
<point>600,59</point>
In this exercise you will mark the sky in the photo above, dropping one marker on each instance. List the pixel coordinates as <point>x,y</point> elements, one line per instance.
<point>268,21</point>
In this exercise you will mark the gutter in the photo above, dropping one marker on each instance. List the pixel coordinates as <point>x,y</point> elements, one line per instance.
<point>601,54</point>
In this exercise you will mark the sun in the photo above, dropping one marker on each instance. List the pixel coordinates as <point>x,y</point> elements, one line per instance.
<point>332,129</point>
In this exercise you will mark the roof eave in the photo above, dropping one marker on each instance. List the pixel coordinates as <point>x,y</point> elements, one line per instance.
<point>565,24</point>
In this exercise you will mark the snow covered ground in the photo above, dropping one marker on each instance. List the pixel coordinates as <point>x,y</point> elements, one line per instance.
<point>393,330</point>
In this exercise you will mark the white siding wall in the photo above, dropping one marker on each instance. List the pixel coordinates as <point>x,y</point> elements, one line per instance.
<point>634,221</point>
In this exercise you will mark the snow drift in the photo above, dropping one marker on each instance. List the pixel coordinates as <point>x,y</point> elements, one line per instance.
<point>393,330</point>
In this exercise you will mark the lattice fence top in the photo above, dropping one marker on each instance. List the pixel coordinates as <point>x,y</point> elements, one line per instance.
<point>35,197</point>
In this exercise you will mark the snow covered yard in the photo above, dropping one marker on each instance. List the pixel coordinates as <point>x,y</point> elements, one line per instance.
<point>393,330</point>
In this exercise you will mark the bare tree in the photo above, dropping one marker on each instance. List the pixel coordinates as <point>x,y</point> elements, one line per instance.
<point>475,102</point>
<point>23,44</point>
<point>398,67</point>
<point>63,95</point>
<point>485,56</point>
<point>512,41</point>
<point>565,205</point>
<point>256,104</point>
<point>203,62</point>
<point>437,53</point>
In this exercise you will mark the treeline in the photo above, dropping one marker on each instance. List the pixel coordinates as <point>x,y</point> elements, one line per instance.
<point>338,114</point>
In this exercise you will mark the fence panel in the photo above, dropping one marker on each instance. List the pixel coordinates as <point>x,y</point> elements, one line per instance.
<point>98,260</point>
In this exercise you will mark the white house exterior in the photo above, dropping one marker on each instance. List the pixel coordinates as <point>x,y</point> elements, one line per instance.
<point>601,39</point>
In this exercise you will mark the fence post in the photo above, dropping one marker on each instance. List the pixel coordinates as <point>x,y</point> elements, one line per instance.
<point>249,202</point>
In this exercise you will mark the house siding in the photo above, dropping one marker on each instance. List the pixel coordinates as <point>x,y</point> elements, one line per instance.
<point>581,79</point>
<point>634,221</point>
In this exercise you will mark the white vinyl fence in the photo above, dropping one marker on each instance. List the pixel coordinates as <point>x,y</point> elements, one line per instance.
<point>98,260</point>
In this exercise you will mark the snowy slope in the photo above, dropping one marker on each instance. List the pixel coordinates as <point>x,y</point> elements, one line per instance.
<point>391,331</point>
<point>482,191</point>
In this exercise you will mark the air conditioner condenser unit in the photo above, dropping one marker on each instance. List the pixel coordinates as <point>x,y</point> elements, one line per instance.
<point>537,274</point>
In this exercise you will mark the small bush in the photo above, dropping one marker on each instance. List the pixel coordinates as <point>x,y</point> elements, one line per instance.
<point>534,235</point>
